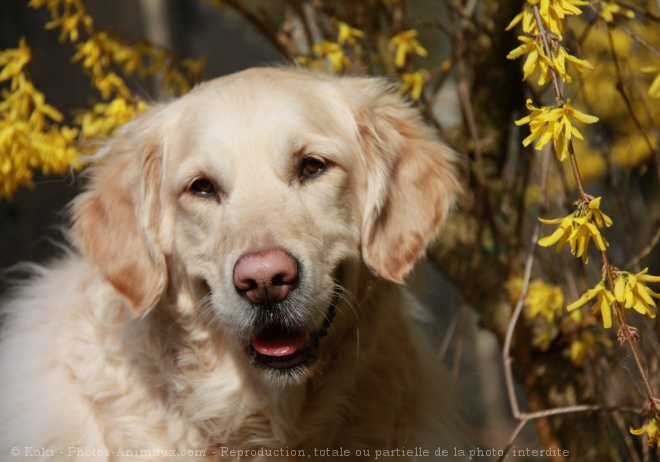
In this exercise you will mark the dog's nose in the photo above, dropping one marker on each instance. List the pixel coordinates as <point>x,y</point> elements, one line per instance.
<point>266,276</point>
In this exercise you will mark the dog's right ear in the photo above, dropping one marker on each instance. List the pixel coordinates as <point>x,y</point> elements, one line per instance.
<point>115,221</point>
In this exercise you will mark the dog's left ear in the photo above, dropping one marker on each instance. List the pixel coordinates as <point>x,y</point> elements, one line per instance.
<point>116,221</point>
<point>411,180</point>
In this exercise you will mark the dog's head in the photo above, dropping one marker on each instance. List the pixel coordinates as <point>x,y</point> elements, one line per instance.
<point>263,195</point>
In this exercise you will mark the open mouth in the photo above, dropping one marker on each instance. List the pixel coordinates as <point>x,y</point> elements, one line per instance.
<point>282,350</point>
<point>275,347</point>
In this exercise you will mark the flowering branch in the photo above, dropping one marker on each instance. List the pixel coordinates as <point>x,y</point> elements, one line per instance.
<point>617,290</point>
<point>33,134</point>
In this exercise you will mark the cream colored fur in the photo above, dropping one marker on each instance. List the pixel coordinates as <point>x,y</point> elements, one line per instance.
<point>134,343</point>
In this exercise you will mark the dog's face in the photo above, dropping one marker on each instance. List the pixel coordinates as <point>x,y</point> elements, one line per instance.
<point>265,210</point>
<point>260,194</point>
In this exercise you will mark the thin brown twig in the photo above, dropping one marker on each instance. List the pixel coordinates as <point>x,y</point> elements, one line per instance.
<point>641,10</point>
<point>262,26</point>
<point>623,326</point>
<point>576,172</point>
<point>560,98</point>
<point>639,40</point>
<point>525,418</point>
<point>546,46</point>
<point>646,251</point>
<point>506,349</point>
<point>631,34</point>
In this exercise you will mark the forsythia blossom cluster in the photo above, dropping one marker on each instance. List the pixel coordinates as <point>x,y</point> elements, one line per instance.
<point>104,118</point>
<point>405,44</point>
<point>587,341</point>
<point>102,54</point>
<point>412,83</point>
<point>331,56</point>
<point>578,228</point>
<point>631,293</point>
<point>543,304</point>
<point>31,136</point>
<point>544,311</point>
<point>620,291</point>
<point>549,122</point>
<point>553,13</point>
<point>556,124</point>
<point>536,57</point>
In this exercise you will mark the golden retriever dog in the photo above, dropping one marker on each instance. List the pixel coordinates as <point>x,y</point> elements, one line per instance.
<point>234,289</point>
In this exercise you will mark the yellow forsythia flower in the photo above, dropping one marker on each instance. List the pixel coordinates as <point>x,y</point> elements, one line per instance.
<point>577,229</point>
<point>552,14</point>
<point>586,344</point>
<point>544,300</point>
<point>72,18</point>
<point>609,9</point>
<point>654,90</point>
<point>629,290</point>
<point>559,60</point>
<point>536,57</point>
<point>652,430</point>
<point>110,84</point>
<point>604,300</point>
<point>406,44</point>
<point>526,17</point>
<point>194,67</point>
<point>13,60</point>
<point>103,119</point>
<point>554,123</point>
<point>538,125</point>
<point>412,83</point>
<point>333,54</point>
<point>543,303</point>
<point>347,34</point>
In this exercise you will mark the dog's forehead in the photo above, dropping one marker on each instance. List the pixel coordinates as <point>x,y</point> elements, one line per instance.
<point>255,105</point>
<point>258,102</point>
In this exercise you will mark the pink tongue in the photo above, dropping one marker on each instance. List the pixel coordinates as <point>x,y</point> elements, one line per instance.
<point>280,344</point>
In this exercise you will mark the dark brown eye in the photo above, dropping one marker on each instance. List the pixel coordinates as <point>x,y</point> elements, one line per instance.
<point>311,167</point>
<point>203,187</point>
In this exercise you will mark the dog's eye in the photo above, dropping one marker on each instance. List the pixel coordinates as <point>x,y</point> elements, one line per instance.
<point>311,167</point>
<point>203,187</point>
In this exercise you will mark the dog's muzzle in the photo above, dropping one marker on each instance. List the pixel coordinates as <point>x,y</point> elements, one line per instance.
<point>268,280</point>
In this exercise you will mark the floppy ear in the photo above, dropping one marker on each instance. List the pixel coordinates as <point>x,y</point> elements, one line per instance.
<point>116,219</point>
<point>411,181</point>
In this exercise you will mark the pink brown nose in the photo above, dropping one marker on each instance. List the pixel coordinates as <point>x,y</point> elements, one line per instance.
<point>266,276</point>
